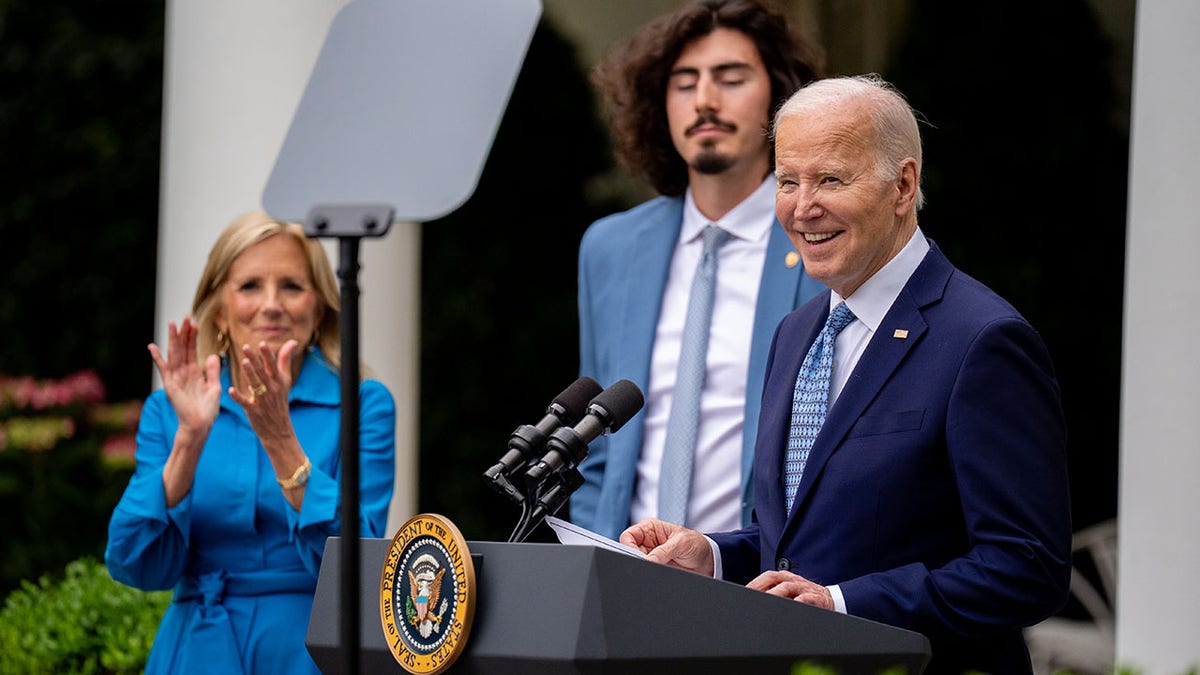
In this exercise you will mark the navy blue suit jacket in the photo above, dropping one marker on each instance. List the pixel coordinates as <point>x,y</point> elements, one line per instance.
<point>936,493</point>
<point>623,264</point>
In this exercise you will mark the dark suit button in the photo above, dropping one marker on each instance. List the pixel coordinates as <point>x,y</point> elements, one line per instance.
<point>783,565</point>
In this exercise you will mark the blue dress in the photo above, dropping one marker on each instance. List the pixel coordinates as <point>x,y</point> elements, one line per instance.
<point>242,562</point>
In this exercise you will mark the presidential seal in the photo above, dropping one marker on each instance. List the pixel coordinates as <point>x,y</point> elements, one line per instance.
<point>427,594</point>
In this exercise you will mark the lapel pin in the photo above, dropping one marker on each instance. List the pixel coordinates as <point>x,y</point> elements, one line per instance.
<point>900,334</point>
<point>791,259</point>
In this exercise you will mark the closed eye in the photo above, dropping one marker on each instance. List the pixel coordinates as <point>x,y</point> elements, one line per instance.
<point>684,80</point>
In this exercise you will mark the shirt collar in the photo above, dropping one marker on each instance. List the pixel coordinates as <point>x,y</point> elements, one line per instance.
<point>318,382</point>
<point>744,221</point>
<point>872,300</point>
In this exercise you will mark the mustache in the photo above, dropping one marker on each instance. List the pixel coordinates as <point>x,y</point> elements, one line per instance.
<point>709,118</point>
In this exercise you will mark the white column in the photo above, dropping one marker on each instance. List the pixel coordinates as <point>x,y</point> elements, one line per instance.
<point>1158,599</point>
<point>235,72</point>
<point>390,325</point>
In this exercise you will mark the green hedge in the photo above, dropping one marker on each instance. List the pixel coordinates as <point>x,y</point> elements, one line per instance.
<point>82,623</point>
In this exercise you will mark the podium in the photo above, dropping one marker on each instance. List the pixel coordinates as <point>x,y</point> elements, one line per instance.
<point>551,608</point>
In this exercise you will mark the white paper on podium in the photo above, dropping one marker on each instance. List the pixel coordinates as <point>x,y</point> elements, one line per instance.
<point>573,535</point>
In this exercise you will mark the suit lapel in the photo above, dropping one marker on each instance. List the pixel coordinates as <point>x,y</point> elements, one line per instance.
<point>649,263</point>
<point>879,361</point>
<point>778,294</point>
<point>776,419</point>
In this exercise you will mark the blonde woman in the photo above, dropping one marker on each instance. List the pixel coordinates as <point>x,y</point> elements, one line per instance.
<point>237,481</point>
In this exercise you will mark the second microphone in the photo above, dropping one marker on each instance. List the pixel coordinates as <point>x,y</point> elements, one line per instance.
<point>568,446</point>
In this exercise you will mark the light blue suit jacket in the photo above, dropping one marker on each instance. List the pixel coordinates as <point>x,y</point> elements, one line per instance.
<point>623,264</point>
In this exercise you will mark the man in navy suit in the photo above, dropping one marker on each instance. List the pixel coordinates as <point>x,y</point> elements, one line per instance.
<point>691,96</point>
<point>934,496</point>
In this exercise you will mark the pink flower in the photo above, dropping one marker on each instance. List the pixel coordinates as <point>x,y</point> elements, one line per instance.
<point>23,391</point>
<point>82,388</point>
<point>85,386</point>
<point>119,449</point>
<point>36,415</point>
<point>44,396</point>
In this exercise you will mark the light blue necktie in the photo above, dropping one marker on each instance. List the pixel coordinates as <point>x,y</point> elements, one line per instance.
<point>679,451</point>
<point>810,400</point>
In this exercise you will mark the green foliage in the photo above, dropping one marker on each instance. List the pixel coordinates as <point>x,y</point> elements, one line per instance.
<point>82,623</point>
<point>65,457</point>
<point>80,124</point>
<point>80,112</point>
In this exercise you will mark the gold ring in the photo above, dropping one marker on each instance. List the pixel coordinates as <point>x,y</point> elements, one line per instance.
<point>259,390</point>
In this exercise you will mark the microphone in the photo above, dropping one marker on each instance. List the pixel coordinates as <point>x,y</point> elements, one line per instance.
<point>568,446</point>
<point>527,441</point>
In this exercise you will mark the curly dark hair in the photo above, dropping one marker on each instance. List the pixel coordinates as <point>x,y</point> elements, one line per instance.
<point>632,78</point>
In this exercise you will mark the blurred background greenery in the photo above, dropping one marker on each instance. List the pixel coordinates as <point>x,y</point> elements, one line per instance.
<point>1026,151</point>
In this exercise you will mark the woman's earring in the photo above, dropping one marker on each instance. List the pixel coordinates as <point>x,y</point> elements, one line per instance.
<point>222,342</point>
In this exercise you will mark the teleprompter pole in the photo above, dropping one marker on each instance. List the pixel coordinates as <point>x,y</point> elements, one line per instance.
<point>349,224</point>
<point>348,273</point>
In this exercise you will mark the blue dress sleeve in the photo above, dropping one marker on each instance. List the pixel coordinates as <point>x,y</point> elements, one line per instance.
<point>377,457</point>
<point>147,542</point>
<point>319,516</point>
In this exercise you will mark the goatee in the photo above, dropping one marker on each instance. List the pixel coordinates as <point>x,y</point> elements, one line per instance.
<point>711,162</point>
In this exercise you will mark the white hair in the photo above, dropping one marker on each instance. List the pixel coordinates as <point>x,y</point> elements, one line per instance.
<point>896,132</point>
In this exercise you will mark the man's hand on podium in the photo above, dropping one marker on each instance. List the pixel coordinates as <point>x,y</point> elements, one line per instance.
<point>671,544</point>
<point>794,586</point>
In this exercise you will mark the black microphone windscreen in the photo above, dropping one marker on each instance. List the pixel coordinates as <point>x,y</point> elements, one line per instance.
<point>622,400</point>
<point>575,398</point>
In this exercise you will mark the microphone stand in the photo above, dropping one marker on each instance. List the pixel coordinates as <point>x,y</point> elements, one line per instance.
<point>551,500</point>
<point>349,224</point>
<point>542,501</point>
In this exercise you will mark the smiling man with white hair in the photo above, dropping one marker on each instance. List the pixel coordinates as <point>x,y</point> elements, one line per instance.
<point>910,464</point>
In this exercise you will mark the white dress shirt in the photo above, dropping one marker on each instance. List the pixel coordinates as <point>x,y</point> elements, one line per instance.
<point>715,499</point>
<point>870,303</point>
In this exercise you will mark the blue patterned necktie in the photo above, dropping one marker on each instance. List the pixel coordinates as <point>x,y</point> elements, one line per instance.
<point>679,451</point>
<point>810,400</point>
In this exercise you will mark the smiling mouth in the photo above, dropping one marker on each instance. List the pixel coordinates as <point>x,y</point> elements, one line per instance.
<point>819,237</point>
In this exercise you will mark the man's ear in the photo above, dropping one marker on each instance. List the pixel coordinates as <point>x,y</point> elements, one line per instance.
<point>906,186</point>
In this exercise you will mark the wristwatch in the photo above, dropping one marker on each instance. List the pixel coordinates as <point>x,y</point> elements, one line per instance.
<point>299,478</point>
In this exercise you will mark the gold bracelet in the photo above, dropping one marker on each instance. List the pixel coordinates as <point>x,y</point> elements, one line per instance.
<point>299,478</point>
